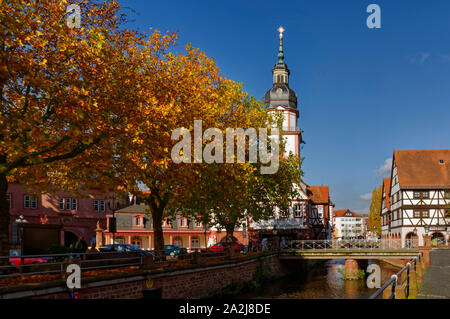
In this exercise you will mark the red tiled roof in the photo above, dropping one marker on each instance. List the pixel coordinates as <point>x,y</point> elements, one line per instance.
<point>341,213</point>
<point>386,190</point>
<point>422,168</point>
<point>319,194</point>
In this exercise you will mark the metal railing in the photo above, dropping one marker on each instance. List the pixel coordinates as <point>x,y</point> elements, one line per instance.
<point>291,129</point>
<point>17,266</point>
<point>394,280</point>
<point>345,244</point>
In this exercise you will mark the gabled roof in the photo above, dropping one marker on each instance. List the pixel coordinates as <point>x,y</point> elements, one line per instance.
<point>134,209</point>
<point>386,189</point>
<point>319,194</point>
<point>343,212</point>
<point>423,168</point>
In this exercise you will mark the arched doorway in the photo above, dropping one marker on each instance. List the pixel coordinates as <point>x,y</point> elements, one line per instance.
<point>70,239</point>
<point>437,239</point>
<point>411,240</point>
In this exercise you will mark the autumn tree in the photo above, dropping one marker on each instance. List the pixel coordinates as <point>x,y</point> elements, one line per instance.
<point>375,211</point>
<point>66,92</point>
<point>183,87</point>
<point>240,193</point>
<point>232,194</point>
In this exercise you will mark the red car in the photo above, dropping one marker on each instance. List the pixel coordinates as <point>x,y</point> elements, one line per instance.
<point>16,259</point>
<point>219,247</point>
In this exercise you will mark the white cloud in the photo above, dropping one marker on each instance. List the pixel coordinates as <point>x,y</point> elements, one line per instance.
<point>419,58</point>
<point>367,196</point>
<point>364,211</point>
<point>385,169</point>
<point>445,57</point>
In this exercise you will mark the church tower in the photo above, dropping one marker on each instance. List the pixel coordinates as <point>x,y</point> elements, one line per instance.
<point>281,98</point>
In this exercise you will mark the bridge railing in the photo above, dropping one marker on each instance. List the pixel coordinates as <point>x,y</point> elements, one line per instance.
<point>344,244</point>
<point>395,282</point>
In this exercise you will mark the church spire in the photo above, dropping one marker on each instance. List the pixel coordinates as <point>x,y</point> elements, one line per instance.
<point>280,70</point>
<point>280,50</point>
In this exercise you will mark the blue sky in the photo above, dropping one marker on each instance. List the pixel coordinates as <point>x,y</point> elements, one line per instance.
<point>362,92</point>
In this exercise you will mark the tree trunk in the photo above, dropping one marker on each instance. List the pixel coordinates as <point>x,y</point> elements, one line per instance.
<point>157,215</point>
<point>4,217</point>
<point>230,230</point>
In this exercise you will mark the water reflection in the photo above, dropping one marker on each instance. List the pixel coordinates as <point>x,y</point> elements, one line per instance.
<point>324,281</point>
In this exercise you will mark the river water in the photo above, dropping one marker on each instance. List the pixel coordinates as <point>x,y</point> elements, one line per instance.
<point>324,280</point>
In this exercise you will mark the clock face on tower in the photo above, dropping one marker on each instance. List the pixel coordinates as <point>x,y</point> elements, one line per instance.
<point>279,91</point>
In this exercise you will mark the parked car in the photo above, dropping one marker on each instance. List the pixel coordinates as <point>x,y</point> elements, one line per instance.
<point>220,247</point>
<point>238,247</point>
<point>174,250</point>
<point>123,248</point>
<point>16,259</point>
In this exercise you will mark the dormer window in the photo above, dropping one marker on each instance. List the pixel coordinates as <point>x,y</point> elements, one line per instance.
<point>138,221</point>
<point>167,223</point>
<point>441,161</point>
<point>183,222</point>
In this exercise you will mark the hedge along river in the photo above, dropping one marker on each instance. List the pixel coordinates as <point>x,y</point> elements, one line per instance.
<point>320,280</point>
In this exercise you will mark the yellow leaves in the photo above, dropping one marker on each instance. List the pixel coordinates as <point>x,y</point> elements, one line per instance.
<point>43,62</point>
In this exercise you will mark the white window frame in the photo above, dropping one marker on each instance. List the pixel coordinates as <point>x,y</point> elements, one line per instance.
<point>138,220</point>
<point>99,205</point>
<point>320,211</point>
<point>182,222</point>
<point>197,240</point>
<point>29,203</point>
<point>74,204</point>
<point>298,210</point>
<point>68,203</point>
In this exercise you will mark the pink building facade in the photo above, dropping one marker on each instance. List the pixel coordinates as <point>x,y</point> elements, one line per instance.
<point>77,216</point>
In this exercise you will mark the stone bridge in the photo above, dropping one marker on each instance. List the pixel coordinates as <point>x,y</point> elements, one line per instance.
<point>348,253</point>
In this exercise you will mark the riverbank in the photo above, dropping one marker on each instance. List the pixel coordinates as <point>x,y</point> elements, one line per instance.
<point>317,280</point>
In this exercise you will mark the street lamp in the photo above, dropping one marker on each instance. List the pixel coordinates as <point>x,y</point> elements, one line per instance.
<point>427,229</point>
<point>112,221</point>
<point>415,231</point>
<point>19,221</point>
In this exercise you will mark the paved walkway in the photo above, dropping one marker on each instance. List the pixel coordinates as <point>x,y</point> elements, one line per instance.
<point>436,280</point>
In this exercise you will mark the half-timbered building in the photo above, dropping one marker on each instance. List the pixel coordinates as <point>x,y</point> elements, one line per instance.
<point>419,197</point>
<point>320,212</point>
<point>386,208</point>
